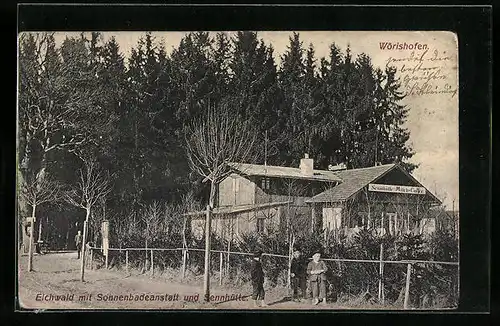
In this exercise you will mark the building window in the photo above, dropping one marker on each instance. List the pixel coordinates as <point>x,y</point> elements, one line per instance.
<point>260,225</point>
<point>266,184</point>
<point>236,185</point>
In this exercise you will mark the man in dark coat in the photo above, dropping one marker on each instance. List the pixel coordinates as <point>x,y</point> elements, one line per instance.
<point>257,280</point>
<point>78,243</point>
<point>298,275</point>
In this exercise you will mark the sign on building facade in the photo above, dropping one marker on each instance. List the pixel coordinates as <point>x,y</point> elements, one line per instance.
<point>396,189</point>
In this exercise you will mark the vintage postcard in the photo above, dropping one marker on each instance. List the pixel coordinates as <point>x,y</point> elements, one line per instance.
<point>249,170</point>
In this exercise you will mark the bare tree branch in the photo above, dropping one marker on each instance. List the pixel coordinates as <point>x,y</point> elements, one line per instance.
<point>93,185</point>
<point>40,189</point>
<point>217,138</point>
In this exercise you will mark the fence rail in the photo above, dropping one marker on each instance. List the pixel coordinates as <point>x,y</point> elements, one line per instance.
<point>225,255</point>
<point>286,256</point>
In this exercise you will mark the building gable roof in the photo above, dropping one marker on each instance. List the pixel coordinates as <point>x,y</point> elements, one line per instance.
<point>283,172</point>
<point>356,179</point>
<point>352,181</point>
<point>348,182</point>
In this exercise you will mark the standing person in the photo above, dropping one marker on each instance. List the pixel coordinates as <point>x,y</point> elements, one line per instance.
<point>78,242</point>
<point>298,276</point>
<point>258,280</point>
<point>316,269</point>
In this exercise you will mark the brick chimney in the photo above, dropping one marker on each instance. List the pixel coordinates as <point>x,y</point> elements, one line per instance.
<point>306,166</point>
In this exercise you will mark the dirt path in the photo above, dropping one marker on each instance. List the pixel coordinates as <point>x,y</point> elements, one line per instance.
<point>58,274</point>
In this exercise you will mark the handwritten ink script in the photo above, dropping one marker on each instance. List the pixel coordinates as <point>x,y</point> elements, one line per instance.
<point>426,72</point>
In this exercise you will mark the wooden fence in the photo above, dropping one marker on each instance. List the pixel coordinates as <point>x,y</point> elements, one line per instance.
<point>150,251</point>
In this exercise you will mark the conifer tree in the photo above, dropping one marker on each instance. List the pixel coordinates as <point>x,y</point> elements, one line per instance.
<point>254,85</point>
<point>302,102</point>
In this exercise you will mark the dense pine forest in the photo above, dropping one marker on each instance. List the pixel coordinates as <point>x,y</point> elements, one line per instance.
<point>84,99</point>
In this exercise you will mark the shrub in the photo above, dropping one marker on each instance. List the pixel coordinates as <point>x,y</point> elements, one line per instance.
<point>432,285</point>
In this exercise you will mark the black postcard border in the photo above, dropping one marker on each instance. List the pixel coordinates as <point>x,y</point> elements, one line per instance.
<point>473,25</point>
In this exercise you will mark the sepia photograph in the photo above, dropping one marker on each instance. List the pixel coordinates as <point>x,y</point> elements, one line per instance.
<point>238,170</point>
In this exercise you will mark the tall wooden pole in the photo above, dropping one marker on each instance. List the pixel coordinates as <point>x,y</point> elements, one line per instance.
<point>152,263</point>
<point>39,231</point>
<point>84,241</point>
<point>30,251</point>
<point>30,254</point>
<point>381,275</point>
<point>206,276</point>
<point>220,267</point>
<point>92,259</point>
<point>227,257</point>
<point>184,256</point>
<point>126,259</point>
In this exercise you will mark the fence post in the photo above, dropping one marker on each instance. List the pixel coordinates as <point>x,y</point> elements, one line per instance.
<point>90,258</point>
<point>220,268</point>
<point>407,287</point>
<point>184,261</point>
<point>126,259</point>
<point>289,275</point>
<point>227,258</point>
<point>152,264</point>
<point>381,275</point>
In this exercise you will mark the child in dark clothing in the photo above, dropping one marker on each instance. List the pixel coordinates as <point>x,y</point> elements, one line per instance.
<point>258,280</point>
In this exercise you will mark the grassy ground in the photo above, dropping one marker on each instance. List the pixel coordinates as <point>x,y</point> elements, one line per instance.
<point>59,274</point>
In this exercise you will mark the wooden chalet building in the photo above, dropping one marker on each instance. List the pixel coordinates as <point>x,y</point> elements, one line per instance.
<point>383,198</point>
<point>258,198</point>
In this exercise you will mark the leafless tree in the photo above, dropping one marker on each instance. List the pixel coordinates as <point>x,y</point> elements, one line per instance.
<point>217,138</point>
<point>52,114</point>
<point>35,191</point>
<point>93,185</point>
<point>151,217</point>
